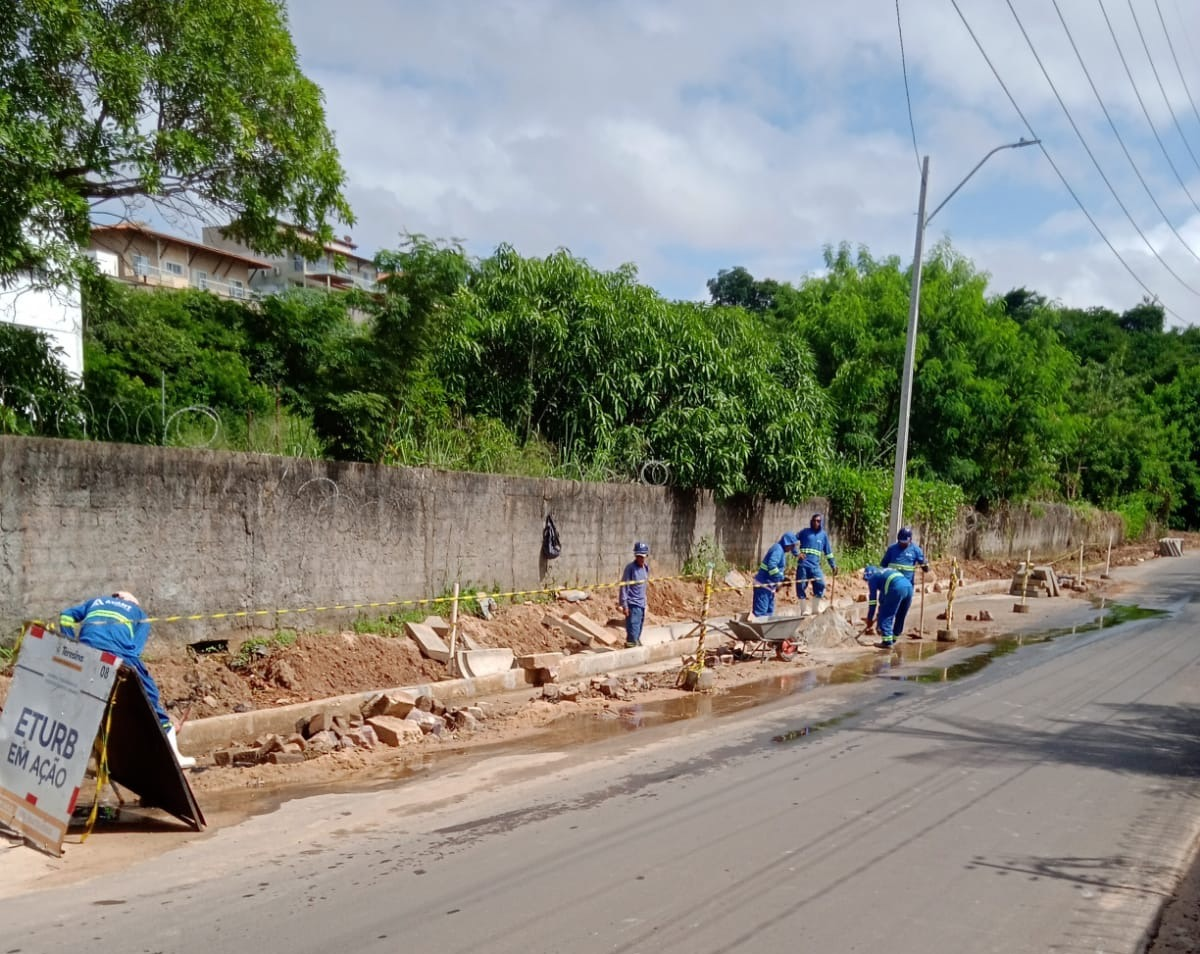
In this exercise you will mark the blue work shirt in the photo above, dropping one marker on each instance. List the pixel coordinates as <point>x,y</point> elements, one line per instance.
<point>633,593</point>
<point>773,565</point>
<point>813,545</point>
<point>905,557</point>
<point>107,623</point>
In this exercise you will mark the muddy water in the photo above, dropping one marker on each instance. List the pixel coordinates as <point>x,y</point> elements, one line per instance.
<point>908,662</point>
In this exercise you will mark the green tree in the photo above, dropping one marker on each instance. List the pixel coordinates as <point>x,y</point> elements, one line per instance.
<point>37,395</point>
<point>738,288</point>
<point>196,105</point>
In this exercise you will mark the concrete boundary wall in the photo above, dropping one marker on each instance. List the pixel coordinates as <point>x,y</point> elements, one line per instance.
<point>201,532</point>
<point>194,531</point>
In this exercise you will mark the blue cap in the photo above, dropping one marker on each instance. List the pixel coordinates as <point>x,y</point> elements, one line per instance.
<point>904,535</point>
<point>788,540</point>
<point>641,549</point>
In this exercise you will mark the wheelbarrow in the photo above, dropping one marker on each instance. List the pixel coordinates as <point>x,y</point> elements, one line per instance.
<point>775,635</point>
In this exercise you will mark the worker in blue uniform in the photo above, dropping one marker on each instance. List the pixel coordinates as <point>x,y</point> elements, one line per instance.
<point>117,624</point>
<point>814,544</point>
<point>890,593</point>
<point>772,572</point>
<point>907,557</point>
<point>631,595</point>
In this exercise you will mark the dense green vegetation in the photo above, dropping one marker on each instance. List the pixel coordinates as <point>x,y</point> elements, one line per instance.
<point>547,366</point>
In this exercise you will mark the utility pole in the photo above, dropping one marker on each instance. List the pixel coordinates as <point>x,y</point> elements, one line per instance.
<point>910,353</point>
<point>896,520</point>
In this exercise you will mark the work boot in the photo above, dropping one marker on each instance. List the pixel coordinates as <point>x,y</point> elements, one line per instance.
<point>185,761</point>
<point>818,606</point>
<point>885,644</point>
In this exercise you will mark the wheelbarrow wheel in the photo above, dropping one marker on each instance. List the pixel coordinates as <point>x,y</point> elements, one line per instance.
<point>785,650</point>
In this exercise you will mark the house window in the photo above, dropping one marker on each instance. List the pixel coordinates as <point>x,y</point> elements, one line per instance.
<point>297,263</point>
<point>236,289</point>
<point>200,279</point>
<point>172,268</point>
<point>141,265</point>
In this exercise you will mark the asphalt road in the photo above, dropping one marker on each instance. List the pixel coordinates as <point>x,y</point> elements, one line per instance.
<point>1047,802</point>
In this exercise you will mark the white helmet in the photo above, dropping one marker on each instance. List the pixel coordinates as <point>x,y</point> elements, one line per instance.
<point>127,597</point>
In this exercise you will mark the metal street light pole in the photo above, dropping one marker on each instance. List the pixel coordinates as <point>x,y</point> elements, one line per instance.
<point>910,344</point>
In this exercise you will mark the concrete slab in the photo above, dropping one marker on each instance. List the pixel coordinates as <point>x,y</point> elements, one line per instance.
<point>431,644</point>
<point>657,635</point>
<point>438,625</point>
<point>393,731</point>
<point>540,660</point>
<point>600,633</point>
<point>484,662</point>
<point>579,635</point>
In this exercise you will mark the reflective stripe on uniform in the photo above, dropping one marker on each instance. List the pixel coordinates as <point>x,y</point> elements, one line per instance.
<point>109,618</point>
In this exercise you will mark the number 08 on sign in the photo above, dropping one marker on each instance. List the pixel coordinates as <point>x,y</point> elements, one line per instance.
<point>59,691</point>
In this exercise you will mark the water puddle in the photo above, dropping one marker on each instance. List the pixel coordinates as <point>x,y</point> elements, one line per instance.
<point>586,728</point>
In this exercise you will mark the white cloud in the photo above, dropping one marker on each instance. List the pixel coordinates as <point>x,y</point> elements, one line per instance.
<point>691,136</point>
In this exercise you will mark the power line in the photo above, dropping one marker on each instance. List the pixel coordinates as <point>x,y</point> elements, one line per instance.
<point>1145,111</point>
<point>1162,89</point>
<point>1171,47</point>
<point>908,98</point>
<point>1117,132</point>
<point>1053,165</point>
<point>1088,149</point>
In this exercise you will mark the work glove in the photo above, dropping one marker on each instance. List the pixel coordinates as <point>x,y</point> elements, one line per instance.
<point>924,567</point>
<point>869,629</point>
<point>833,568</point>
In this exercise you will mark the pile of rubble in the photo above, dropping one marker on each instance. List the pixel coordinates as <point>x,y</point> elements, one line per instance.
<point>390,719</point>
<point>605,687</point>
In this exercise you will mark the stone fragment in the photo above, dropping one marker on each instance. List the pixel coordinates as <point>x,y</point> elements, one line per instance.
<point>551,693</point>
<point>321,743</point>
<point>464,721</point>
<point>424,703</point>
<point>364,736</point>
<point>423,720</point>
<point>285,758</point>
<point>393,731</point>
<point>573,596</point>
<point>319,723</point>
<point>429,642</point>
<point>243,756</point>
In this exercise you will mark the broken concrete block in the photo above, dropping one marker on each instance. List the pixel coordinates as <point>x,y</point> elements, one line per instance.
<point>243,756</point>
<point>438,625</point>
<point>364,737</point>
<point>579,635</point>
<point>605,635</point>
<point>424,703</point>
<point>285,758</point>
<point>318,723</point>
<point>393,731</point>
<point>424,721</point>
<point>321,743</point>
<point>223,758</point>
<point>735,579</point>
<point>464,721</point>
<point>432,645</point>
<point>477,712</point>
<point>484,662</point>
<point>573,596</point>
<point>540,660</point>
<point>551,693</point>
<point>396,703</point>
<point>657,635</point>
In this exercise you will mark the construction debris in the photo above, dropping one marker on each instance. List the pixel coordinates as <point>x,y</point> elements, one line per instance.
<point>1034,581</point>
<point>1170,547</point>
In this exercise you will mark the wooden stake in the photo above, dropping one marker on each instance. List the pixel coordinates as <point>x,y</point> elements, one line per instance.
<point>453,661</point>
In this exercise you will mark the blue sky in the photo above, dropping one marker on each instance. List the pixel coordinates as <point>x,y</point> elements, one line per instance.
<point>690,136</point>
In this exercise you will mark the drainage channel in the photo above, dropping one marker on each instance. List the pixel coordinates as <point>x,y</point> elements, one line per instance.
<point>581,729</point>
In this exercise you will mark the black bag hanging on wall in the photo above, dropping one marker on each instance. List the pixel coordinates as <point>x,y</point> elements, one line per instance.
<point>551,547</point>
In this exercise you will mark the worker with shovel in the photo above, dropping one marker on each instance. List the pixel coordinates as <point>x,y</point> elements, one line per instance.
<point>907,557</point>
<point>814,544</point>
<point>891,593</point>
<point>117,624</point>
<point>771,573</point>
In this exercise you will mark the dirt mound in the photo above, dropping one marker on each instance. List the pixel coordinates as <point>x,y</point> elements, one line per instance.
<point>829,631</point>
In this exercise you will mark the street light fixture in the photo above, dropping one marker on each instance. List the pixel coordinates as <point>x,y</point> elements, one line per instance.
<point>910,345</point>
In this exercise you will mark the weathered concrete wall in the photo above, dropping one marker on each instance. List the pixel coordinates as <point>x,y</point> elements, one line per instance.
<point>1050,530</point>
<point>199,532</point>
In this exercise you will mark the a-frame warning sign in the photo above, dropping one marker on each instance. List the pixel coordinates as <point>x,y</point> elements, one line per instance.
<point>59,697</point>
